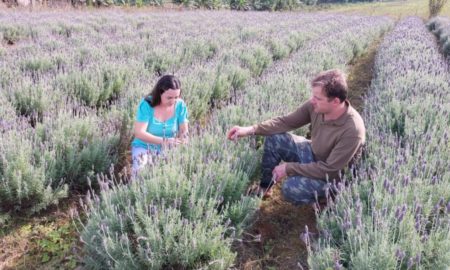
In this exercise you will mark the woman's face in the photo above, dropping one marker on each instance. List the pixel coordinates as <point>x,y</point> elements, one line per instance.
<point>170,97</point>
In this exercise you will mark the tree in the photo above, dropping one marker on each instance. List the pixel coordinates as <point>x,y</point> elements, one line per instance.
<point>435,6</point>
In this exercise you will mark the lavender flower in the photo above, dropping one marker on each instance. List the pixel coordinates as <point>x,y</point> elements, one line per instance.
<point>400,254</point>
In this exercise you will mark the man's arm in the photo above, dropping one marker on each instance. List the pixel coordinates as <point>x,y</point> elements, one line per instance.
<point>339,157</point>
<point>291,121</point>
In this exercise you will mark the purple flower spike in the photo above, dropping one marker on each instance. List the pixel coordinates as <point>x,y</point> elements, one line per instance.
<point>410,263</point>
<point>386,184</point>
<point>400,254</point>
<point>405,181</point>
<point>337,265</point>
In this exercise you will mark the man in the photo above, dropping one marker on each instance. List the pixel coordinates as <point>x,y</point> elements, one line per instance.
<point>337,134</point>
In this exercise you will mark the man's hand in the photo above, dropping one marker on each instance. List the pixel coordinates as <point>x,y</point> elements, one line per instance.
<point>237,132</point>
<point>279,172</point>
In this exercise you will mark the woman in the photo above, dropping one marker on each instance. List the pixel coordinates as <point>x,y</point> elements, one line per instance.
<point>161,122</point>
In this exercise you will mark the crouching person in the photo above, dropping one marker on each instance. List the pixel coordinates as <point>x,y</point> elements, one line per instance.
<point>337,134</point>
<point>161,123</point>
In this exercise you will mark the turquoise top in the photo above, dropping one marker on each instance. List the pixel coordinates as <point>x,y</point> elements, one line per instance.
<point>167,129</point>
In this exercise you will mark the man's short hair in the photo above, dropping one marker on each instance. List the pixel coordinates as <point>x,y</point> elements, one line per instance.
<point>333,83</point>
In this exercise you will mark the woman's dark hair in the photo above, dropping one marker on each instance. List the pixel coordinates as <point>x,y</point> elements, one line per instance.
<point>164,83</point>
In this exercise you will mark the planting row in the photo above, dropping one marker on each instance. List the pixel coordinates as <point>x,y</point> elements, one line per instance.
<point>186,211</point>
<point>395,214</point>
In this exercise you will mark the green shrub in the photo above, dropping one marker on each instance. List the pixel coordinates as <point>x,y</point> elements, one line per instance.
<point>200,92</point>
<point>113,85</point>
<point>247,34</point>
<point>80,87</point>
<point>256,59</point>
<point>12,34</point>
<point>26,185</point>
<point>94,89</point>
<point>240,4</point>
<point>160,63</point>
<point>168,217</point>
<point>36,66</point>
<point>139,3</point>
<point>208,4</point>
<point>155,237</point>
<point>221,87</point>
<point>238,77</point>
<point>286,4</point>
<point>197,50</point>
<point>60,63</point>
<point>238,213</point>
<point>279,51</point>
<point>65,30</point>
<point>264,4</point>
<point>273,5</point>
<point>80,149</point>
<point>31,102</point>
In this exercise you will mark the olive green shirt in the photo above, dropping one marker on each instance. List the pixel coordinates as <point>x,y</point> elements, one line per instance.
<point>333,142</point>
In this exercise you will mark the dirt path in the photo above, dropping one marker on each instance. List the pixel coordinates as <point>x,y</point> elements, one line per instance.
<point>48,240</point>
<point>273,241</point>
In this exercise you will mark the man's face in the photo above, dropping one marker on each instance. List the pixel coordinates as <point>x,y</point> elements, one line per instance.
<point>170,97</point>
<point>320,101</point>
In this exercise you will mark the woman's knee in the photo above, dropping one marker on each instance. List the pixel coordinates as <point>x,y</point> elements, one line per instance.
<point>140,158</point>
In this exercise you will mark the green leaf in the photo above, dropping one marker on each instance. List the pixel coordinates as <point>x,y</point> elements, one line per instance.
<point>45,258</point>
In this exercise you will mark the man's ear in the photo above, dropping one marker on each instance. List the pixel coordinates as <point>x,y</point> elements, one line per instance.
<point>336,101</point>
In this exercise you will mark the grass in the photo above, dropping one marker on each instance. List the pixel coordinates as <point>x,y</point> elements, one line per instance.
<point>396,9</point>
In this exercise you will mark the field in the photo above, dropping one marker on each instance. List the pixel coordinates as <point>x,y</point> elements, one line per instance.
<point>70,83</point>
<point>395,9</point>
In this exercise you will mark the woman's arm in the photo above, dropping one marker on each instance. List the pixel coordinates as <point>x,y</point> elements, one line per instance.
<point>183,133</point>
<point>140,132</point>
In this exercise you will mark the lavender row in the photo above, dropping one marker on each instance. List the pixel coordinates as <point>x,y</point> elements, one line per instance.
<point>395,214</point>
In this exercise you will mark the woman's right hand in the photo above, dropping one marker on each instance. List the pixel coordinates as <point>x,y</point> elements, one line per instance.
<point>171,142</point>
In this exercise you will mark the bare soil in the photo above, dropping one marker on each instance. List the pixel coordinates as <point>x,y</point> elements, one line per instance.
<point>360,75</point>
<point>48,240</point>
<point>273,241</point>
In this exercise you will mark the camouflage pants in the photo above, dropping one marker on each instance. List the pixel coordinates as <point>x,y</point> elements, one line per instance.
<point>291,148</point>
